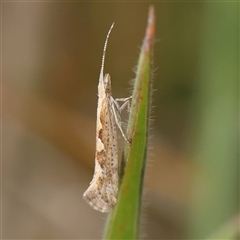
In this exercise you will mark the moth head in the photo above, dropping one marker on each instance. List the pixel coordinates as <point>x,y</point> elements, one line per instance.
<point>107,83</point>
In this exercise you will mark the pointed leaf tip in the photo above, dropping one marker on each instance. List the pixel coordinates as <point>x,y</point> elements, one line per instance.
<point>150,31</point>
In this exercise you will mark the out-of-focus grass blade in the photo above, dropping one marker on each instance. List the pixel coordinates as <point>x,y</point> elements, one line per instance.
<point>215,189</point>
<point>229,230</point>
<point>123,221</point>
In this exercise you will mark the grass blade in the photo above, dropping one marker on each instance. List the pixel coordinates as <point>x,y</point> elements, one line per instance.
<point>123,221</point>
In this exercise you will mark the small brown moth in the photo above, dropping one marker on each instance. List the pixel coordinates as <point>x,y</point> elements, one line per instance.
<point>102,192</point>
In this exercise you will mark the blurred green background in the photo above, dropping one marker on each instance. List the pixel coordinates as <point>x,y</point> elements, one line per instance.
<point>51,56</point>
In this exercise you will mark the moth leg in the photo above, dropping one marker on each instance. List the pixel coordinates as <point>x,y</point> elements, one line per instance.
<point>116,109</point>
<point>126,103</point>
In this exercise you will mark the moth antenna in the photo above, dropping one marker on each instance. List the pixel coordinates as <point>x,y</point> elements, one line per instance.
<point>104,49</point>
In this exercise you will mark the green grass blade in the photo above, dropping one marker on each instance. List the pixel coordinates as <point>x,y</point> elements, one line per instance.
<point>215,189</point>
<point>123,221</point>
<point>229,230</point>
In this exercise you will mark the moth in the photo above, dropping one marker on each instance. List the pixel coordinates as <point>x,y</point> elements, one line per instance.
<point>102,192</point>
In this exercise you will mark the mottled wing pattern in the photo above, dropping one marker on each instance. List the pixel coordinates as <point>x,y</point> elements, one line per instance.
<point>102,192</point>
